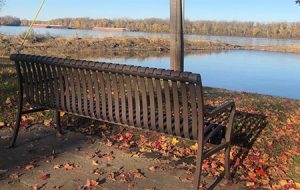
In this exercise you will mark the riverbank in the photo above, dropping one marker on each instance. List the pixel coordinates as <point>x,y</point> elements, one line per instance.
<point>118,46</point>
<point>266,137</point>
<point>46,45</point>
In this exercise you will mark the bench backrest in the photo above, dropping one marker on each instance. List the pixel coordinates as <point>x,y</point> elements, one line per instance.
<point>156,99</point>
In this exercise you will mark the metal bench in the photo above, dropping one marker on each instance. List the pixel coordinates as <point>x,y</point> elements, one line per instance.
<point>160,100</point>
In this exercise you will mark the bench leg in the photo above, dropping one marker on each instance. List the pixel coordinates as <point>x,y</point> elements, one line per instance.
<point>58,124</point>
<point>18,123</point>
<point>199,162</point>
<point>228,135</point>
<point>227,163</point>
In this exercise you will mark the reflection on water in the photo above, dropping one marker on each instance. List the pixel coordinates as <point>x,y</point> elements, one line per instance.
<point>269,73</point>
<point>12,30</point>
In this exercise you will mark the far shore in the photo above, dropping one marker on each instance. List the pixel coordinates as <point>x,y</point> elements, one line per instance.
<point>118,46</point>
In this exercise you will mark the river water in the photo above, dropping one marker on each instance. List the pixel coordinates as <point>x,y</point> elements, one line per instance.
<point>270,73</point>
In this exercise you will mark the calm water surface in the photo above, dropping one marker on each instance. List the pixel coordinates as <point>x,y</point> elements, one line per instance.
<point>270,73</point>
<point>13,30</point>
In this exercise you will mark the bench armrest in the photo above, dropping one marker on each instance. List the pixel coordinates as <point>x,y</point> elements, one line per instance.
<point>221,109</point>
<point>224,107</point>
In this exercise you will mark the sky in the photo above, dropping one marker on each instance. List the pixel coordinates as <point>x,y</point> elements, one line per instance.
<point>230,10</point>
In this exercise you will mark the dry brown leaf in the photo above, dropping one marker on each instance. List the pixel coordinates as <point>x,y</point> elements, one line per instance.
<point>152,168</point>
<point>109,143</point>
<point>47,122</point>
<point>29,167</point>
<point>95,163</point>
<point>111,176</point>
<point>110,158</point>
<point>69,166</point>
<point>57,167</point>
<point>90,183</point>
<point>2,124</point>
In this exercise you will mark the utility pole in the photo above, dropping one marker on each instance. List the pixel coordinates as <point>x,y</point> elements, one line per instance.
<point>177,36</point>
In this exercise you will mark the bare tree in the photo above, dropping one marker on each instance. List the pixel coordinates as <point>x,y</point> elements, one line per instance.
<point>298,2</point>
<point>2,2</point>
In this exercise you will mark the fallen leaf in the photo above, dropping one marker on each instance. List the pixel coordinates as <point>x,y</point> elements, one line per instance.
<point>98,171</point>
<point>109,143</point>
<point>174,141</point>
<point>44,176</point>
<point>112,176</point>
<point>135,173</point>
<point>250,184</point>
<point>261,172</point>
<point>152,168</point>
<point>194,147</point>
<point>8,101</point>
<point>35,187</point>
<point>2,124</point>
<point>135,155</point>
<point>283,182</point>
<point>47,122</point>
<point>110,158</point>
<point>69,166</point>
<point>87,183</point>
<point>29,167</point>
<point>57,167</point>
<point>95,163</point>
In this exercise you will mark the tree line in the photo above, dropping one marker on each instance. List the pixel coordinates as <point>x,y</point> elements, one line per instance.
<point>220,28</point>
<point>10,21</point>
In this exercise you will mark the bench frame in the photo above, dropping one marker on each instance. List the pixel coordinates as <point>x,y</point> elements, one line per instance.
<point>201,139</point>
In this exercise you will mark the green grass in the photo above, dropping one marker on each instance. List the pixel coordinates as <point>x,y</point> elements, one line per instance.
<point>295,168</point>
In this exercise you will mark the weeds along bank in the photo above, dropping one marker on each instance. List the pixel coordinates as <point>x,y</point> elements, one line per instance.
<point>117,46</point>
<point>40,44</point>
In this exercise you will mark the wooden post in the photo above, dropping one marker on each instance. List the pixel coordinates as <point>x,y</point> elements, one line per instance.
<point>177,39</point>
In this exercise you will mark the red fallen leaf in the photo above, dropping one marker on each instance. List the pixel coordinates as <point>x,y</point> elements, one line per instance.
<point>88,183</point>
<point>44,176</point>
<point>156,144</point>
<point>260,172</point>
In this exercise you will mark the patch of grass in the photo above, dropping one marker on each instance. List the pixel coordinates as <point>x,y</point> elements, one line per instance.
<point>295,169</point>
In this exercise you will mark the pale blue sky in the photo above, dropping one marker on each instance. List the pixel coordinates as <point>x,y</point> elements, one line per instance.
<point>240,10</point>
